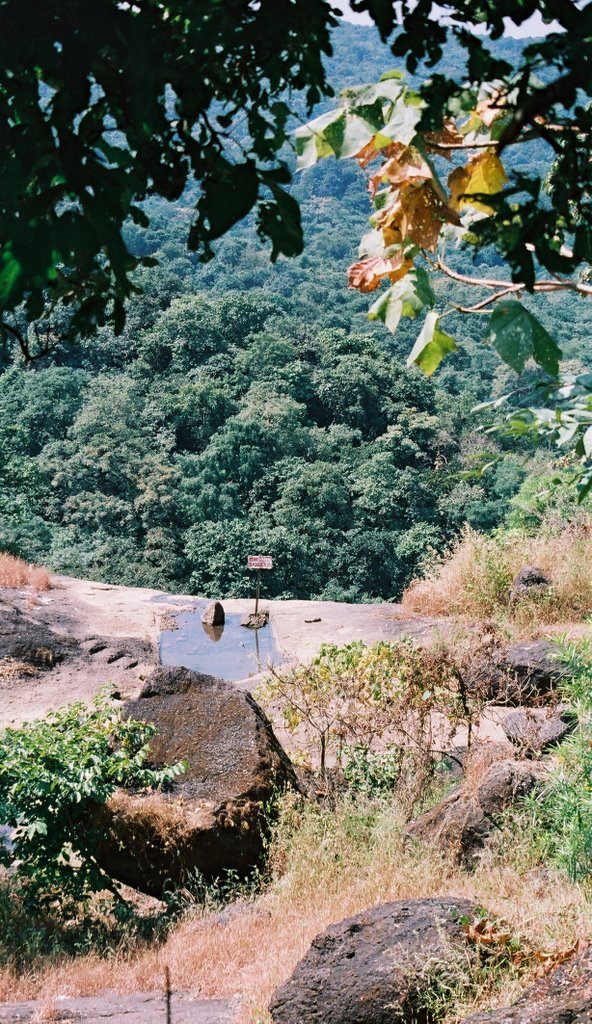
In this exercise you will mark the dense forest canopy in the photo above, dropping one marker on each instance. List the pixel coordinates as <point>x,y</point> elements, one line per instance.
<point>249,406</point>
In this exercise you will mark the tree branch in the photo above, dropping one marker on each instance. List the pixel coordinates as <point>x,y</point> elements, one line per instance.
<point>505,287</point>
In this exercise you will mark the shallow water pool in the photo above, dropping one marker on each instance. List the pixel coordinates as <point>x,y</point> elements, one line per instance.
<point>229,652</point>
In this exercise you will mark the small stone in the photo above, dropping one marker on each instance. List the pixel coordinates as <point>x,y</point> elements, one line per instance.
<point>255,620</point>
<point>213,615</point>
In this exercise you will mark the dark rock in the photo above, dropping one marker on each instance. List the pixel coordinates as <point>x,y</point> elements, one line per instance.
<point>255,620</point>
<point>31,642</point>
<point>532,672</point>
<point>214,817</point>
<point>462,821</point>
<point>214,614</point>
<point>563,997</point>
<point>375,968</point>
<point>522,673</point>
<point>528,581</point>
<point>535,730</point>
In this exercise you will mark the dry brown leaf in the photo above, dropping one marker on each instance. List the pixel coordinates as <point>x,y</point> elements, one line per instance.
<point>369,152</point>
<point>401,169</point>
<point>366,275</point>
<point>449,135</point>
<point>423,215</point>
<point>487,932</point>
<point>548,961</point>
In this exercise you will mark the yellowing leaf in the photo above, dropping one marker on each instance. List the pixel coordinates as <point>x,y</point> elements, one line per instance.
<point>484,174</point>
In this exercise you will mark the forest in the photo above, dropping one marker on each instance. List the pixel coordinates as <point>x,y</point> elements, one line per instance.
<point>249,406</point>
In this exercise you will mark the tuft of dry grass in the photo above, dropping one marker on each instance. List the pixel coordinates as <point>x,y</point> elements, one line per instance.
<point>477,576</point>
<point>326,866</point>
<point>15,572</point>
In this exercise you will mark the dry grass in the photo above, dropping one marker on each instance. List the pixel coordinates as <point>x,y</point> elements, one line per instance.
<point>12,668</point>
<point>327,866</point>
<point>14,572</point>
<point>476,578</point>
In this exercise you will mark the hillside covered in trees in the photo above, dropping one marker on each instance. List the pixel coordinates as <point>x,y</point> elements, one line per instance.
<point>250,406</point>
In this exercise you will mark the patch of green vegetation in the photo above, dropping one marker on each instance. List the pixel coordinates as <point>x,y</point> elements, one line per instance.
<point>55,775</point>
<point>562,815</point>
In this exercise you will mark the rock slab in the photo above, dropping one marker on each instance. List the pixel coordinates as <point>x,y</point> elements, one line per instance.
<point>376,967</point>
<point>563,997</point>
<point>214,817</point>
<point>536,730</point>
<point>461,822</point>
<point>146,1008</point>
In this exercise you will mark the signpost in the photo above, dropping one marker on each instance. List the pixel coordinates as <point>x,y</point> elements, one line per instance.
<point>259,562</point>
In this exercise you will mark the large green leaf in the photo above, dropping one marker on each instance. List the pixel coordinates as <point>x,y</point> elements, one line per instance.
<point>518,336</point>
<point>431,346</point>
<point>406,297</point>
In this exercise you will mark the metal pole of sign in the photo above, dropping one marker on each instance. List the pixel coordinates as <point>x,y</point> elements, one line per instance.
<point>257,591</point>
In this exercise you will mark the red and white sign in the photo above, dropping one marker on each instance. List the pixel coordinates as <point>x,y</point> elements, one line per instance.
<point>259,562</point>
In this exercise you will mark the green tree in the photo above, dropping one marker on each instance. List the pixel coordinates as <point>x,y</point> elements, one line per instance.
<point>104,104</point>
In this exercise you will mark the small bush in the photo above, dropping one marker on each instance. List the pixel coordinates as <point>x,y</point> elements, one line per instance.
<point>14,572</point>
<point>477,577</point>
<point>412,698</point>
<point>54,774</point>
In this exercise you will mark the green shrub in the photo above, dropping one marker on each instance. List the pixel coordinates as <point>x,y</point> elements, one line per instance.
<point>54,774</point>
<point>373,772</point>
<point>563,813</point>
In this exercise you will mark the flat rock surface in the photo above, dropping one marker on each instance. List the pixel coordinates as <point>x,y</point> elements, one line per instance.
<point>146,1008</point>
<point>109,634</point>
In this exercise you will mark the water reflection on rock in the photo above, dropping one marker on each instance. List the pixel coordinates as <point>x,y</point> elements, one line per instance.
<point>214,632</point>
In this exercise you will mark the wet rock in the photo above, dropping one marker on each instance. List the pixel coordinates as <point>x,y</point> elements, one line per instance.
<point>563,997</point>
<point>213,615</point>
<point>375,968</point>
<point>530,580</point>
<point>214,818</point>
<point>462,821</point>
<point>536,730</point>
<point>255,620</point>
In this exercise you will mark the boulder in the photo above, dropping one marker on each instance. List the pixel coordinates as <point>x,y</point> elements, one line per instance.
<point>461,822</point>
<point>530,580</point>
<point>533,672</point>
<point>517,674</point>
<point>377,967</point>
<point>563,997</point>
<point>213,615</point>
<point>536,730</point>
<point>255,620</point>
<point>213,819</point>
